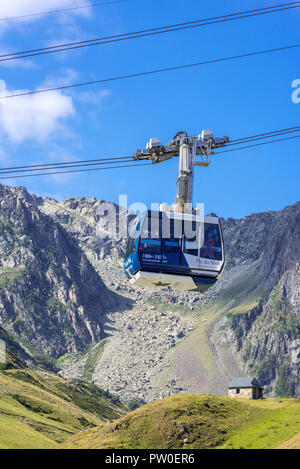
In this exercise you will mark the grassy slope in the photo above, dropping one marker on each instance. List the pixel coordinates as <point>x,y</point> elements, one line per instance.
<point>198,421</point>
<point>40,410</point>
<point>280,422</point>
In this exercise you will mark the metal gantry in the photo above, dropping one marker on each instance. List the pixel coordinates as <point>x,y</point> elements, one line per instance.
<point>192,151</point>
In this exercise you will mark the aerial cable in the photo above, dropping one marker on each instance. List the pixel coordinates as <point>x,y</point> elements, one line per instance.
<point>151,72</point>
<point>37,166</point>
<point>131,165</point>
<point>62,166</point>
<point>145,32</point>
<point>251,139</point>
<point>265,134</point>
<point>257,144</point>
<point>75,171</point>
<point>143,164</point>
<point>125,159</point>
<point>94,5</point>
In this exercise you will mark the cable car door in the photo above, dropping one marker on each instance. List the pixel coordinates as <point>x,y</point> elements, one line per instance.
<point>192,240</point>
<point>171,234</point>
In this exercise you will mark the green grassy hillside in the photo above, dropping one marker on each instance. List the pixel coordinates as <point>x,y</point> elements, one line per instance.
<point>198,421</point>
<point>40,410</point>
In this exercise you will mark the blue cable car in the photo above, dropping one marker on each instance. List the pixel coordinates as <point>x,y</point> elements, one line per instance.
<point>174,250</point>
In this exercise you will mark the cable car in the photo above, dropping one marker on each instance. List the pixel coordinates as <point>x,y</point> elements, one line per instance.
<point>174,250</point>
<point>175,247</point>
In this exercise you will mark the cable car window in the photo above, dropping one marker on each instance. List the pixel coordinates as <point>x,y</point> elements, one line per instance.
<point>191,229</point>
<point>191,237</point>
<point>171,245</point>
<point>191,246</point>
<point>134,227</point>
<point>212,247</point>
<point>151,228</point>
<point>130,248</point>
<point>171,233</point>
<point>133,234</point>
<point>150,242</point>
<point>150,246</point>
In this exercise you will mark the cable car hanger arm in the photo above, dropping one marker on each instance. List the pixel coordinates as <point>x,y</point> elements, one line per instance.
<point>188,148</point>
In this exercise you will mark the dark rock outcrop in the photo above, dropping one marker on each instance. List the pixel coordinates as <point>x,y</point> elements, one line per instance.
<point>51,298</point>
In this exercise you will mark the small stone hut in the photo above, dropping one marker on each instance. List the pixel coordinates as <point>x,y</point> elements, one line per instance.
<point>247,387</point>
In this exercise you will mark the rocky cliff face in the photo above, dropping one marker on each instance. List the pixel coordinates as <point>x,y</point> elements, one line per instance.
<point>266,338</point>
<point>63,291</point>
<point>93,223</point>
<point>51,298</point>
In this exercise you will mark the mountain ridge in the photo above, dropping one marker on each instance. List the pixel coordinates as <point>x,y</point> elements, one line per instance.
<point>50,293</point>
<point>152,343</point>
<point>193,421</point>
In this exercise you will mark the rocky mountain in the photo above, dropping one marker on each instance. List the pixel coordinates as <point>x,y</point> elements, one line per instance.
<point>64,295</point>
<point>265,337</point>
<point>52,301</point>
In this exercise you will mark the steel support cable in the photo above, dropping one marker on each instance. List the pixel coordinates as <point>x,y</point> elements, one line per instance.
<point>39,166</point>
<point>151,72</point>
<point>265,133</point>
<point>125,159</point>
<point>138,34</point>
<point>257,144</point>
<point>63,166</point>
<point>254,139</point>
<point>75,171</point>
<point>146,164</point>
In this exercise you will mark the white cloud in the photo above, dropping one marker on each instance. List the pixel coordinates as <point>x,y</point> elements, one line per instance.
<point>33,117</point>
<point>24,7</point>
<point>9,9</point>
<point>62,77</point>
<point>93,97</point>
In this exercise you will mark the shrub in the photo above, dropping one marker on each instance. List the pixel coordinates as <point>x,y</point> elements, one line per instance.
<point>133,404</point>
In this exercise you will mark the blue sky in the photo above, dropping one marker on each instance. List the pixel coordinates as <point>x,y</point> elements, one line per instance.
<point>237,99</point>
